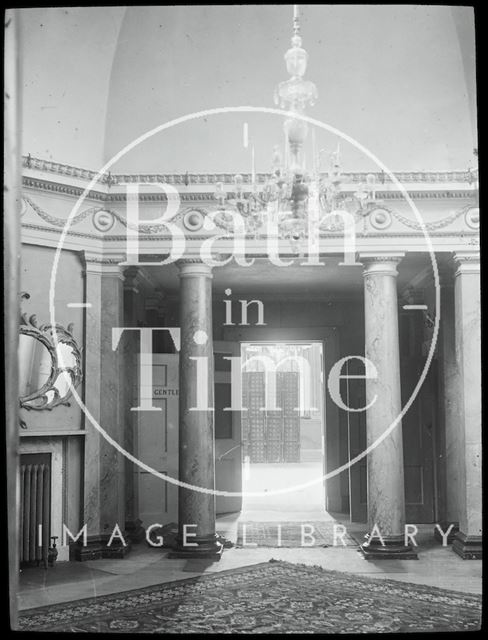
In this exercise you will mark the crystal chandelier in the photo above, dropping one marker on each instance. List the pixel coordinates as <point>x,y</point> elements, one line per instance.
<point>290,194</point>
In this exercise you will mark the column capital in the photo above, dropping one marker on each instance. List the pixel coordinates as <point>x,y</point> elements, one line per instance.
<point>132,279</point>
<point>101,265</point>
<point>466,262</point>
<point>384,264</point>
<point>192,267</point>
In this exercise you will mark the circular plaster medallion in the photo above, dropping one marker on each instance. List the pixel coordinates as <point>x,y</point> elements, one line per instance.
<point>380,219</point>
<point>103,220</point>
<point>472,218</point>
<point>193,220</point>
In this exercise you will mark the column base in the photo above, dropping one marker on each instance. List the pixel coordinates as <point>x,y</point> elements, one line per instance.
<point>135,531</point>
<point>96,548</point>
<point>394,548</point>
<point>207,547</point>
<point>468,547</point>
<point>444,525</point>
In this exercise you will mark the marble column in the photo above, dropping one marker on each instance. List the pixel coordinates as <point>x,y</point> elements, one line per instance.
<point>467,542</point>
<point>130,343</point>
<point>448,435</point>
<point>386,493</point>
<point>196,427</point>
<point>104,467</point>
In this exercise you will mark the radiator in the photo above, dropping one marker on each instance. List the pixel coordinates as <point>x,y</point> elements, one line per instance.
<point>35,510</point>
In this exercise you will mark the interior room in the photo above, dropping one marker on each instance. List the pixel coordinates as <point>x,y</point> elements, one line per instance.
<point>242,275</point>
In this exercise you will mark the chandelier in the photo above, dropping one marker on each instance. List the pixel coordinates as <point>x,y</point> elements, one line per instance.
<point>291,195</point>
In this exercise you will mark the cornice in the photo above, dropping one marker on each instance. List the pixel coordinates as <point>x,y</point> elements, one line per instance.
<point>206,196</point>
<point>188,179</point>
<point>58,187</point>
<point>474,235</point>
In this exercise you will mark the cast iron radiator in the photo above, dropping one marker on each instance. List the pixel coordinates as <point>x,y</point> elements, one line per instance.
<point>35,508</point>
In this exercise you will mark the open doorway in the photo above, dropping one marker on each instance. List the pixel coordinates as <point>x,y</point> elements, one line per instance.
<point>283,427</point>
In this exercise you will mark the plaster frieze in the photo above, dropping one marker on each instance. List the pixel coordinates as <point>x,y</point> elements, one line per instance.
<point>60,222</point>
<point>104,219</point>
<point>440,223</point>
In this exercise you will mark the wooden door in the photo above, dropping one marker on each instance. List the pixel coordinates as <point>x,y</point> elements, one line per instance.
<point>157,444</point>
<point>228,444</point>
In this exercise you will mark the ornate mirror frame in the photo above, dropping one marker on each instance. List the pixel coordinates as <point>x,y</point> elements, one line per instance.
<point>61,344</point>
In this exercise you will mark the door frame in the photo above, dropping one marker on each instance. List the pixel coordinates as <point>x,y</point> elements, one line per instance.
<point>329,338</point>
<point>225,446</point>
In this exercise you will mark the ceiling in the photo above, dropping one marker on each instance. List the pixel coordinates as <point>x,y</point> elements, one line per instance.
<point>268,280</point>
<point>397,78</point>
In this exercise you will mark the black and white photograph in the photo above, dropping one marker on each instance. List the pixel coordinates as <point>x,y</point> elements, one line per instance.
<point>242,319</point>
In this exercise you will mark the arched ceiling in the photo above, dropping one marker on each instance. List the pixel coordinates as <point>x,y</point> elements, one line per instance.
<point>399,79</point>
<point>67,56</point>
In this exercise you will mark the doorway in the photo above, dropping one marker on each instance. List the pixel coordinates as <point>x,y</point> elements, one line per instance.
<point>283,427</point>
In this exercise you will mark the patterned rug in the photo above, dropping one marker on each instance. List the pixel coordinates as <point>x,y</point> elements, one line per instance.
<point>313,534</point>
<point>273,597</point>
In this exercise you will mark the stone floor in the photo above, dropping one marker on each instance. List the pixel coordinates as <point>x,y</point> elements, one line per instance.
<point>285,477</point>
<point>144,566</point>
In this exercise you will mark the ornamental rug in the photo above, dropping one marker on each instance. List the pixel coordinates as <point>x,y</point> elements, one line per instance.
<point>266,534</point>
<point>272,597</point>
